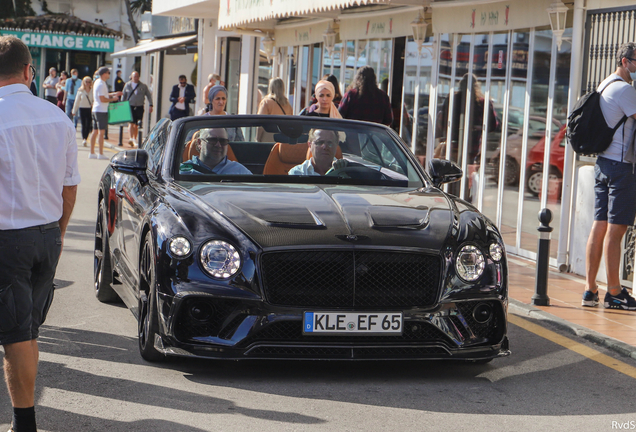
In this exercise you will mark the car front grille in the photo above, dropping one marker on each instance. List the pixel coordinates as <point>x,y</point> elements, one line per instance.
<point>358,279</point>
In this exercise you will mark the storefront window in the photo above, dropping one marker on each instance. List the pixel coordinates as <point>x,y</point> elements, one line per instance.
<point>426,68</point>
<point>514,137</point>
<point>337,61</point>
<point>443,92</point>
<point>411,59</point>
<point>536,132</point>
<point>383,69</point>
<point>292,55</point>
<point>304,69</point>
<point>350,66</point>
<point>264,72</point>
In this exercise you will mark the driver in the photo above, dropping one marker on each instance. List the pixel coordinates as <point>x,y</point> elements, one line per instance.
<point>212,145</point>
<point>323,145</point>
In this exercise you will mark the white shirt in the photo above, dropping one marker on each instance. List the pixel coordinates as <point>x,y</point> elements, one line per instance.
<point>618,100</point>
<point>306,168</point>
<point>100,88</point>
<point>38,155</point>
<point>52,81</point>
<point>181,105</point>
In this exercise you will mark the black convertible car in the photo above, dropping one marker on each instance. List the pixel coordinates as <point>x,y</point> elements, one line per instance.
<point>267,237</point>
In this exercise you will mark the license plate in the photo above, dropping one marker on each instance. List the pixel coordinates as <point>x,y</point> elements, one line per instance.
<point>360,323</point>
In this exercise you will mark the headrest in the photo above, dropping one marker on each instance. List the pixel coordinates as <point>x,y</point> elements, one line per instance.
<point>292,153</point>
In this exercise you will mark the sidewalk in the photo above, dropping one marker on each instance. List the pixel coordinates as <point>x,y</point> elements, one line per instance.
<point>614,329</point>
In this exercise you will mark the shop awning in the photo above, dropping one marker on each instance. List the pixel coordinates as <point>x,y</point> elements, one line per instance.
<point>236,13</point>
<point>149,46</point>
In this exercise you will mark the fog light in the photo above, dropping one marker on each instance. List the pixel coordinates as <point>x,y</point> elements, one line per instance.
<point>201,311</point>
<point>482,313</point>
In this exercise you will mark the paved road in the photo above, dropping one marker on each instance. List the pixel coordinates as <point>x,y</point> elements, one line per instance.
<point>93,379</point>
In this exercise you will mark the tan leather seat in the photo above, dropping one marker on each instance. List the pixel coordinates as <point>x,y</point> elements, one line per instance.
<point>284,157</point>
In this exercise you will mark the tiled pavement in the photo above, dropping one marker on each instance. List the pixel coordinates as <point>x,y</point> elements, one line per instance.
<point>615,329</point>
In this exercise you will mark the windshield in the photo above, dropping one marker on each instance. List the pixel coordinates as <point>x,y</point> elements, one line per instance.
<point>281,149</point>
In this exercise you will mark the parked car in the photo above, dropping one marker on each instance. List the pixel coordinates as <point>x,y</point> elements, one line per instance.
<point>370,261</point>
<point>534,164</point>
<point>512,170</point>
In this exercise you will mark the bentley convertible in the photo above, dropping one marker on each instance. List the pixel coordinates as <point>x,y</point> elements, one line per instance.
<point>267,237</point>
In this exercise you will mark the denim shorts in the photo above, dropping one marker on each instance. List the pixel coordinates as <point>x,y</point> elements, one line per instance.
<point>615,192</point>
<point>29,258</point>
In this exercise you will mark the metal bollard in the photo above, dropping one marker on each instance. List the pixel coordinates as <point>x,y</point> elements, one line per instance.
<point>139,134</point>
<point>121,133</point>
<point>540,297</point>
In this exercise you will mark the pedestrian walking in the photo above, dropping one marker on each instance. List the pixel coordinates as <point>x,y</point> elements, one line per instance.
<point>34,213</point>
<point>50,93</point>
<point>70,91</point>
<point>83,105</point>
<point>59,87</point>
<point>134,92</point>
<point>275,103</point>
<point>325,92</point>
<point>615,182</point>
<point>101,99</point>
<point>213,79</point>
<point>337,97</point>
<point>365,101</point>
<point>119,82</point>
<point>182,96</point>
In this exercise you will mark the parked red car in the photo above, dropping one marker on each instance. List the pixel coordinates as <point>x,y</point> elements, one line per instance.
<point>534,163</point>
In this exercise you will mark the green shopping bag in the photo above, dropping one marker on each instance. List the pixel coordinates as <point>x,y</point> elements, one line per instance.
<point>119,112</point>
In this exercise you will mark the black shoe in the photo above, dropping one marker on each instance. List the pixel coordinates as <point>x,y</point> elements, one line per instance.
<point>590,299</point>
<point>621,301</point>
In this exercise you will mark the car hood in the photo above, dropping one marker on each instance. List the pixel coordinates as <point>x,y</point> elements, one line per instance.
<point>295,215</point>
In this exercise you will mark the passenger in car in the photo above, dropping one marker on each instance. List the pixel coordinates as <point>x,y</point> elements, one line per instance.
<point>213,146</point>
<point>323,145</point>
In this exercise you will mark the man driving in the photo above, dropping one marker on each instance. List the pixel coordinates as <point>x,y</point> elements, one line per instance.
<point>212,145</point>
<point>323,145</point>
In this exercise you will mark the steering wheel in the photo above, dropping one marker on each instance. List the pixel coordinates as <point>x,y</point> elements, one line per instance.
<point>357,171</point>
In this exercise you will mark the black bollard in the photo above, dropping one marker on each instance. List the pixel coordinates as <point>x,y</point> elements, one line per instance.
<point>540,297</point>
<point>139,134</point>
<point>121,133</point>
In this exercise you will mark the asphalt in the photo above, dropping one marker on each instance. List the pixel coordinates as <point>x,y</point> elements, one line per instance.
<point>610,328</point>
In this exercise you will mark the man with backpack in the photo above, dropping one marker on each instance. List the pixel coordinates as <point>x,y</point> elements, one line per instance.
<point>615,184</point>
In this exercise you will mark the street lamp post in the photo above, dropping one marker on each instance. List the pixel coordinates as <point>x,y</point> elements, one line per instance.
<point>558,13</point>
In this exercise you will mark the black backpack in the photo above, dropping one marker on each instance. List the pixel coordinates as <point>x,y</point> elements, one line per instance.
<point>588,132</point>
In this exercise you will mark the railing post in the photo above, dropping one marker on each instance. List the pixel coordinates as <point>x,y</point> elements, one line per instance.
<point>139,134</point>
<point>121,133</point>
<point>540,297</point>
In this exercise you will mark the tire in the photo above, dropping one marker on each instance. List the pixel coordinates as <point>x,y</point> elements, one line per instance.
<point>511,173</point>
<point>102,271</point>
<point>534,182</point>
<point>147,321</point>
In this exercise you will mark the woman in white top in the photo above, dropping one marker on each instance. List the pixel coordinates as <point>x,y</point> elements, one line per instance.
<point>83,104</point>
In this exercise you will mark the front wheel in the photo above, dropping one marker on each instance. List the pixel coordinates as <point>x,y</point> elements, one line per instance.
<point>103,275</point>
<point>147,321</point>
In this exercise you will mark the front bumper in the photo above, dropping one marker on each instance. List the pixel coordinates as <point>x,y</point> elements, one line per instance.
<point>212,327</point>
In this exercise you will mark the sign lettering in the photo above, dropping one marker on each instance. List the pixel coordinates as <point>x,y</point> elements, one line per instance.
<point>70,42</point>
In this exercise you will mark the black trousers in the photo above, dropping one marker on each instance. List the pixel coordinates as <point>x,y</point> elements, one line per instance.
<point>86,118</point>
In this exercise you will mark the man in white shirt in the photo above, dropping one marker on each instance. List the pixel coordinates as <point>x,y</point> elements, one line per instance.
<point>615,183</point>
<point>101,99</point>
<point>323,145</point>
<point>38,186</point>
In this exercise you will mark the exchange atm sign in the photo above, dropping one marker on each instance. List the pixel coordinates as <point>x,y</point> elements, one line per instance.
<point>63,41</point>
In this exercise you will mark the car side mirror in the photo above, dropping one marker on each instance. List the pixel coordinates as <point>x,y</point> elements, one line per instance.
<point>443,171</point>
<point>132,162</point>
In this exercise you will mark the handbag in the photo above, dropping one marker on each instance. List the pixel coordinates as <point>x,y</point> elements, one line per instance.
<point>119,112</point>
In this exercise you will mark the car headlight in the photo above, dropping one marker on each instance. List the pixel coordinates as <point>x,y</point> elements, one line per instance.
<point>496,252</point>
<point>470,263</point>
<point>220,259</point>
<point>180,247</point>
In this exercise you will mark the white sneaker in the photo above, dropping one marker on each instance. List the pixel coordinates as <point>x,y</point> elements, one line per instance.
<point>92,156</point>
<point>131,142</point>
<point>103,157</point>
<point>84,143</point>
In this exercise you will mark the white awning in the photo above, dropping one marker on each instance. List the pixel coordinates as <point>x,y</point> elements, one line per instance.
<point>385,24</point>
<point>234,13</point>
<point>149,46</point>
<point>300,34</point>
<point>482,17</point>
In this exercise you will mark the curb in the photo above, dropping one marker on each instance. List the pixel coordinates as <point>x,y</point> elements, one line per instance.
<point>522,309</point>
